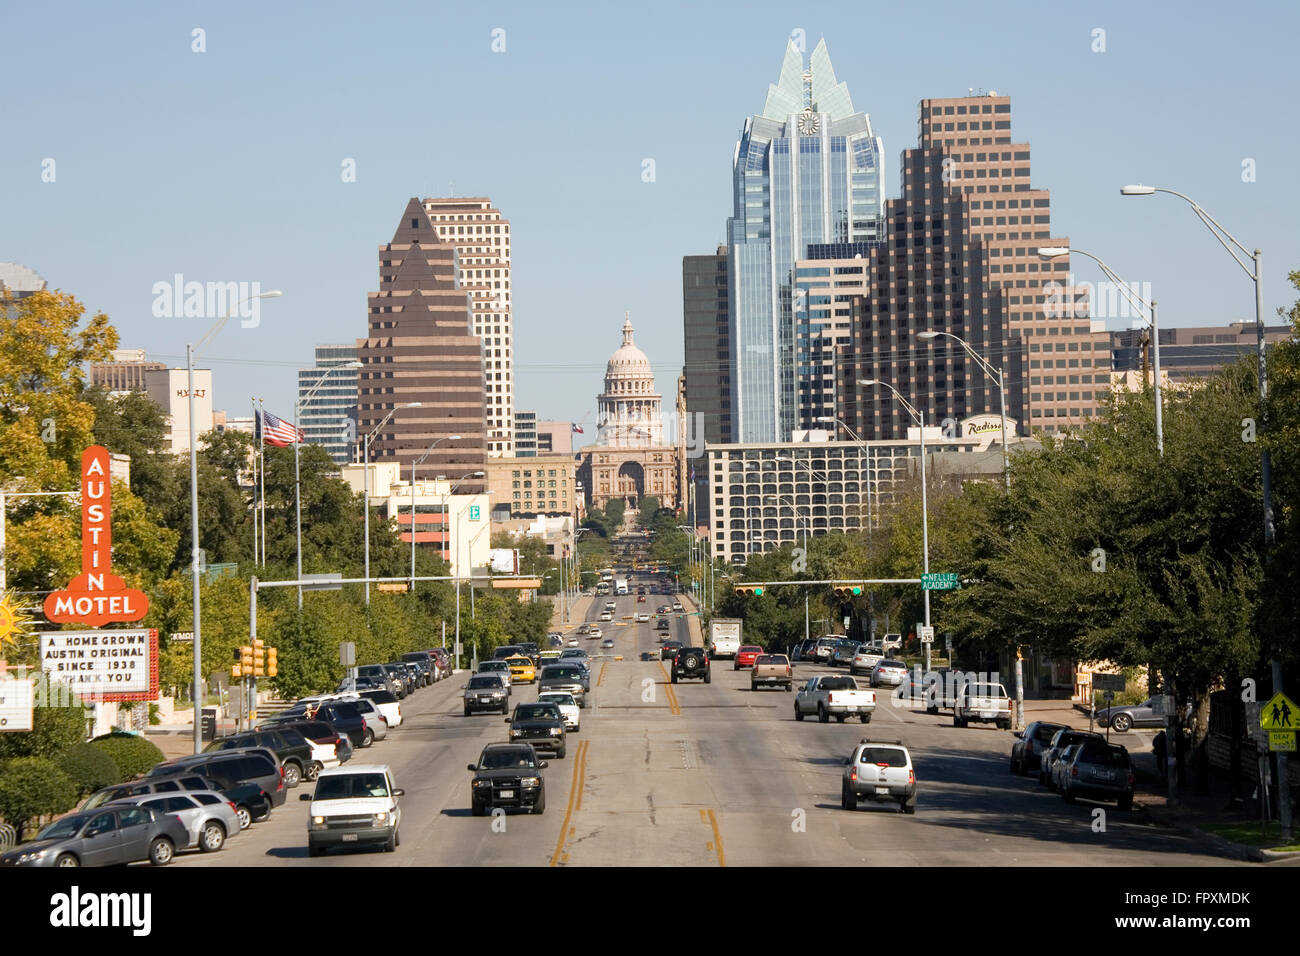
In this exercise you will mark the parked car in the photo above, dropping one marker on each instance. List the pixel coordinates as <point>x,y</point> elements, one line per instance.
<point>843,653</point>
<point>539,724</point>
<point>388,705</point>
<point>229,769</point>
<point>291,749</point>
<point>336,744</point>
<point>746,656</point>
<point>1098,769</point>
<point>386,676</point>
<point>403,673</point>
<point>507,775</point>
<point>877,770</point>
<point>107,836</point>
<point>354,805</point>
<point>1124,718</point>
<point>486,692</point>
<point>1031,744</point>
<point>251,803</point>
<point>1064,738</point>
<point>423,663</point>
<point>208,817</point>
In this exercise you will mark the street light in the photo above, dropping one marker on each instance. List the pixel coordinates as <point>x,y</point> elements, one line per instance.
<point>297,441</point>
<point>419,461</point>
<point>919,415</point>
<point>365,479</point>
<point>1266,468</point>
<point>993,373</point>
<point>190,350</point>
<point>1054,252</point>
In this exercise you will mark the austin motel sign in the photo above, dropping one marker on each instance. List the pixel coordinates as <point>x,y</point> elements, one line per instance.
<point>96,596</point>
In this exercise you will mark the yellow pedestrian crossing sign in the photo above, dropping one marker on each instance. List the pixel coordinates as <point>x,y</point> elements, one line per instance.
<point>1280,713</point>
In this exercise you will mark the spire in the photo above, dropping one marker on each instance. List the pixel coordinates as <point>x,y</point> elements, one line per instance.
<point>627,328</point>
<point>816,86</point>
<point>415,226</point>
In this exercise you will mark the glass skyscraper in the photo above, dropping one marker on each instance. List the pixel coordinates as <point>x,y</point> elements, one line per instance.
<point>807,184</point>
<point>329,417</point>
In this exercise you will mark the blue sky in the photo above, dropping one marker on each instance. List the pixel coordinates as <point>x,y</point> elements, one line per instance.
<point>225,165</point>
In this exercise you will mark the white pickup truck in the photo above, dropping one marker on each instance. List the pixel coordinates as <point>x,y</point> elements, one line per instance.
<point>834,696</point>
<point>983,703</point>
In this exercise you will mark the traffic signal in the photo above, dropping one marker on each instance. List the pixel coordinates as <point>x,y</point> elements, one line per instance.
<point>754,589</point>
<point>259,658</point>
<point>246,660</point>
<point>271,668</point>
<point>849,591</point>
<point>235,670</point>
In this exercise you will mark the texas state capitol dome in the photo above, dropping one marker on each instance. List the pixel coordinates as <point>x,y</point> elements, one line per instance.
<point>630,410</point>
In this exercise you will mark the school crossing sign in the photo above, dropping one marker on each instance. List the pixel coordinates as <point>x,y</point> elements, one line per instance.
<point>1279,717</point>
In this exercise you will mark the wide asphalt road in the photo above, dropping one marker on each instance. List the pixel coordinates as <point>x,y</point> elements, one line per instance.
<point>712,775</point>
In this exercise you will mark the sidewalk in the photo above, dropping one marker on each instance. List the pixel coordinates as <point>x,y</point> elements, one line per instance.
<point>693,619</point>
<point>577,613</point>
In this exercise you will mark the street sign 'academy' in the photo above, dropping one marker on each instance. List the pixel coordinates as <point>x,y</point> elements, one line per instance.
<point>96,596</point>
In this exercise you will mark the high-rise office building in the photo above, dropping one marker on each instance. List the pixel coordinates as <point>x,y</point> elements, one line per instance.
<point>125,371</point>
<point>422,349</point>
<point>525,434</point>
<point>1190,353</point>
<point>961,256</point>
<point>709,363</point>
<point>807,181</point>
<point>481,236</point>
<point>18,281</point>
<point>329,417</point>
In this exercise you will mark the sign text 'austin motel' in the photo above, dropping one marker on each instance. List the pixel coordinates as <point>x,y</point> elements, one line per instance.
<point>96,596</point>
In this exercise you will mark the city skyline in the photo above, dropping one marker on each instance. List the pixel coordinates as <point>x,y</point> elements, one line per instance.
<point>276,208</point>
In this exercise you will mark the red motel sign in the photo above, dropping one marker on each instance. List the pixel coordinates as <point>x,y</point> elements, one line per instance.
<point>96,596</point>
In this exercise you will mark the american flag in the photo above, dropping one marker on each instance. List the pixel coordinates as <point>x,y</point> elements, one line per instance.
<point>276,431</point>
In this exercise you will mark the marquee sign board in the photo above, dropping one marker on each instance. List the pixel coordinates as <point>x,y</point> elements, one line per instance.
<point>96,596</point>
<point>107,665</point>
<point>15,703</point>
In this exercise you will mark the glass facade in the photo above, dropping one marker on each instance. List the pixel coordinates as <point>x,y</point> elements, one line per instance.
<point>807,176</point>
<point>328,418</point>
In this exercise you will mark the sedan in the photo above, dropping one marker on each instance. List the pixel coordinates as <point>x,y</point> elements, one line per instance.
<point>607,642</point>
<point>1122,719</point>
<point>643,618</point>
<point>569,709</point>
<point>109,836</point>
<point>889,672</point>
<point>1031,744</point>
<point>208,816</point>
<point>746,656</point>
<point>669,650</point>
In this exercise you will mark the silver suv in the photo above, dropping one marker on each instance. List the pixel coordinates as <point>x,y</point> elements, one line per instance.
<point>879,770</point>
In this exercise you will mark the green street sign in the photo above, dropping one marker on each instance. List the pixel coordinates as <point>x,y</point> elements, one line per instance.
<point>940,582</point>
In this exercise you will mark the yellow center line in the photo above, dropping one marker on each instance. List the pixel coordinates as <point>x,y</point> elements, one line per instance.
<point>582,772</point>
<point>717,839</point>
<point>601,679</point>
<point>674,708</point>
<point>573,794</point>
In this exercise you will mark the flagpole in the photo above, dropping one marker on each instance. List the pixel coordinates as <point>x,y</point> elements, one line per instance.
<point>253,402</point>
<point>261,451</point>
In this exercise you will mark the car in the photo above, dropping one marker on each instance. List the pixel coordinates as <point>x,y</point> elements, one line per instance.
<point>556,640</point>
<point>878,770</point>
<point>107,836</point>
<point>607,643</point>
<point>1031,744</point>
<point>643,618</point>
<point>344,716</point>
<point>983,703</point>
<point>1097,769</point>
<point>834,696</point>
<point>677,606</point>
<point>292,750</point>
<point>385,675</point>
<point>569,709</point>
<point>575,654</point>
<point>522,669</point>
<point>1063,739</point>
<point>425,663</point>
<point>888,671</point>
<point>333,746</point>
<point>445,663</point>
<point>251,804</point>
<point>354,805</point>
<point>565,676</point>
<point>771,670</point>
<point>208,817</point>
<point>539,724</point>
<point>485,692</point>
<point>668,650</point>
<point>822,650</point>
<point>506,650</point>
<point>594,633</point>
<point>1122,719</point>
<point>374,717</point>
<point>864,660</point>
<point>691,663</point>
<point>405,672</point>
<point>573,642</point>
<point>843,653</point>
<point>507,775</point>
<point>387,704</point>
<point>606,616</point>
<point>663,609</point>
<point>494,667</point>
<point>662,624</point>
<point>640,598</point>
<point>746,656</point>
<point>228,769</point>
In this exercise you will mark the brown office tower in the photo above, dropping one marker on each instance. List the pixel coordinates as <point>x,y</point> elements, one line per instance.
<point>961,256</point>
<point>422,349</point>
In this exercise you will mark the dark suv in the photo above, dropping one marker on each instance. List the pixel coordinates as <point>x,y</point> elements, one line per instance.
<point>229,770</point>
<point>388,675</point>
<point>346,717</point>
<point>507,775</point>
<point>289,746</point>
<point>691,662</point>
<point>539,724</point>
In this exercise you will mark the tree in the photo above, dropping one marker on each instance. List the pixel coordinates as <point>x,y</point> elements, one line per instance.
<point>54,731</point>
<point>308,644</point>
<point>134,755</point>
<point>33,787</point>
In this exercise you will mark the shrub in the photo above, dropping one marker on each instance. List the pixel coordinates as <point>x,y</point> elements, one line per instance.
<point>54,730</point>
<point>89,767</point>
<point>34,787</point>
<point>133,755</point>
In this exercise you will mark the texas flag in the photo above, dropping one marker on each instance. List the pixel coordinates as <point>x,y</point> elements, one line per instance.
<point>577,429</point>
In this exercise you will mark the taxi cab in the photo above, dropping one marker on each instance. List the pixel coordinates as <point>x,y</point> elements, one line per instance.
<point>522,670</point>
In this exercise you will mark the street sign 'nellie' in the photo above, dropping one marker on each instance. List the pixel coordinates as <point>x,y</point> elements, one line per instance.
<point>96,596</point>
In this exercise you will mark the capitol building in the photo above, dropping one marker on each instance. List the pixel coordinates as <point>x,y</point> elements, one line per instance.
<point>630,459</point>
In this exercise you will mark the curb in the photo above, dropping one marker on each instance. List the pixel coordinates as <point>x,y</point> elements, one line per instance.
<point>1224,846</point>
